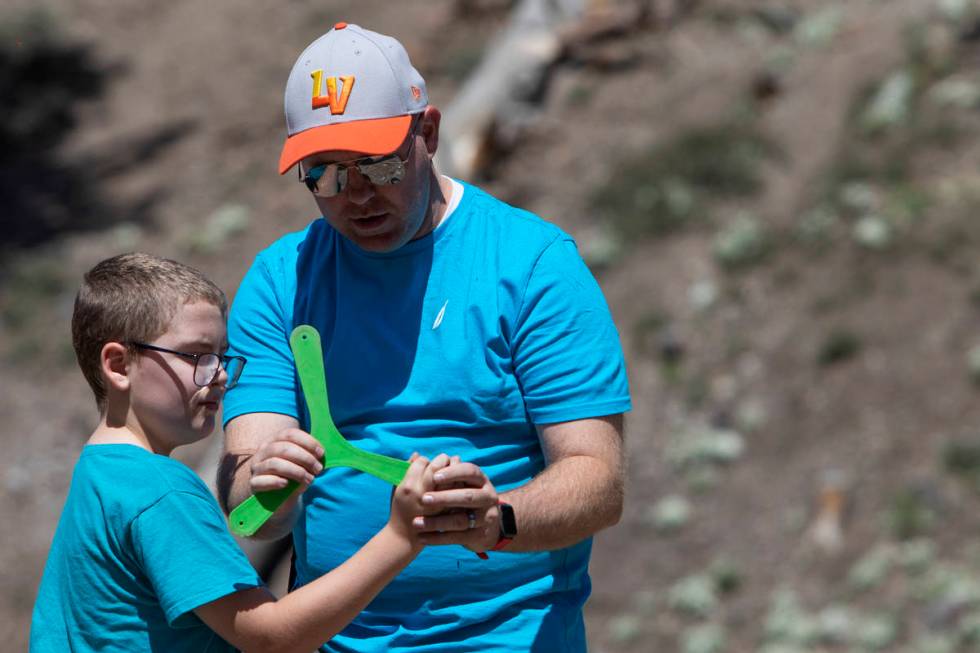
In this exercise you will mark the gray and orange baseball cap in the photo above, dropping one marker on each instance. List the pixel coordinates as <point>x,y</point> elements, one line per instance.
<point>351,89</point>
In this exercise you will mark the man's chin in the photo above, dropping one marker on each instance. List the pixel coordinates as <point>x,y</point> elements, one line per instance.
<point>383,242</point>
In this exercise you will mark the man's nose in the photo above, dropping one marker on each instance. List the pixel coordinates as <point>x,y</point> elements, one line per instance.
<point>359,188</point>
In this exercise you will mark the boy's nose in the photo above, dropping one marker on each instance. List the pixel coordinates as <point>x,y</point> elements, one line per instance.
<point>221,378</point>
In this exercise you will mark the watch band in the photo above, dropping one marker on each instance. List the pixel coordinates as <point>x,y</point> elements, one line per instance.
<point>501,543</point>
<point>508,529</point>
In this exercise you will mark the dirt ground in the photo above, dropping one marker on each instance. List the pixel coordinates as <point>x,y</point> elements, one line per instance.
<point>842,366</point>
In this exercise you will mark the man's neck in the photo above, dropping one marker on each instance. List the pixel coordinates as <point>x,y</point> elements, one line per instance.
<point>443,191</point>
<point>440,190</point>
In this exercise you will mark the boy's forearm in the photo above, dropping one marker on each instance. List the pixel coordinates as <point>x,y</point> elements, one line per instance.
<point>324,607</point>
<point>309,616</point>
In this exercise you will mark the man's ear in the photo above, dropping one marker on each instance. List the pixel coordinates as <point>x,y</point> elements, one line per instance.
<point>430,129</point>
<point>114,361</point>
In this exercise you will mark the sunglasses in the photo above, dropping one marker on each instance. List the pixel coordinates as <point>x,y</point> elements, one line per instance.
<point>330,179</point>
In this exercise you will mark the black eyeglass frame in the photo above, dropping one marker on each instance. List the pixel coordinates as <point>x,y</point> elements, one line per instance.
<point>393,174</point>
<point>223,361</point>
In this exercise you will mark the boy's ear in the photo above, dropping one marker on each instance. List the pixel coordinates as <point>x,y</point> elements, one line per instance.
<point>114,360</point>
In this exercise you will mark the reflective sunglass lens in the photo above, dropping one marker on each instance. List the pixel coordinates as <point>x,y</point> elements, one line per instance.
<point>339,181</point>
<point>315,173</point>
<point>312,177</point>
<point>327,180</point>
<point>385,172</point>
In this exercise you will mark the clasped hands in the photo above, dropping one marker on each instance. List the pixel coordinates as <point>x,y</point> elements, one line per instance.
<point>459,502</point>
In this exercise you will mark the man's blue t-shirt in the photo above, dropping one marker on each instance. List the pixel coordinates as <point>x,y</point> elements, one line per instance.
<point>459,342</point>
<point>140,544</point>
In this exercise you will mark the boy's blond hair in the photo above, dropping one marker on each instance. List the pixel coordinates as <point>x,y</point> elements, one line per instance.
<point>132,298</point>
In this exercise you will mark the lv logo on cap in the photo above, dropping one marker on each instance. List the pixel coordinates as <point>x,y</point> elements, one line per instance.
<point>337,104</point>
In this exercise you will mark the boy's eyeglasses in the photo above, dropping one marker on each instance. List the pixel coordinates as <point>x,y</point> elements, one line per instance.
<point>206,366</point>
<point>330,179</point>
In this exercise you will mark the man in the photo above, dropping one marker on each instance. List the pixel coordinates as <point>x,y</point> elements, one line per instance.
<point>451,322</point>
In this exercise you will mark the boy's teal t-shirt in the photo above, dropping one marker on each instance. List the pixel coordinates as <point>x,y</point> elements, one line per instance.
<point>462,342</point>
<point>140,544</point>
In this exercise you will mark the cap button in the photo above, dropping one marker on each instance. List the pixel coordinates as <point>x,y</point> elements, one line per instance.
<point>340,26</point>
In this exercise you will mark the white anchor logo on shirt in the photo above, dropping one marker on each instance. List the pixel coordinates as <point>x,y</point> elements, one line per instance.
<point>442,312</point>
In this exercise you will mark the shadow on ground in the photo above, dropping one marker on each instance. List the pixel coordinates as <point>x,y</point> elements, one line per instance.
<point>44,78</point>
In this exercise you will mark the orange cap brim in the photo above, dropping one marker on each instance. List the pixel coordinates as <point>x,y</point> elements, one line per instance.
<point>379,136</point>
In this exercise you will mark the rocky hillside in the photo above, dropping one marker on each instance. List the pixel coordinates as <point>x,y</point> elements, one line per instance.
<point>779,199</point>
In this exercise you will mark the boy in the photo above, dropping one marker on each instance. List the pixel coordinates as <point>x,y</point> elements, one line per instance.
<point>142,559</point>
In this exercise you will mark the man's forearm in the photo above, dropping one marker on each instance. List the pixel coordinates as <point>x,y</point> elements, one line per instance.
<point>245,436</point>
<point>577,494</point>
<point>570,500</point>
<point>233,489</point>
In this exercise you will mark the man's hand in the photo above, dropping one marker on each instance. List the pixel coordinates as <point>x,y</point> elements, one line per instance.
<point>290,455</point>
<point>462,509</point>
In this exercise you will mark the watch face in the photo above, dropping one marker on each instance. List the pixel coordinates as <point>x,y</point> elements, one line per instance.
<point>508,524</point>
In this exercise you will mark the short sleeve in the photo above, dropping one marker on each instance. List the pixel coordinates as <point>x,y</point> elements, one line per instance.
<point>258,330</point>
<point>188,555</point>
<point>566,349</point>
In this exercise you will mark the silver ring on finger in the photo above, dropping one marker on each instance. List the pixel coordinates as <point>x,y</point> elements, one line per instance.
<point>472,519</point>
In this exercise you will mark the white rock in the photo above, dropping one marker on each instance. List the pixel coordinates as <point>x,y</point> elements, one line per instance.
<point>694,595</point>
<point>819,28</point>
<point>973,362</point>
<point>873,232</point>
<point>671,513</point>
<point>705,638</point>
<point>891,105</point>
<point>702,295</point>
<point>956,92</point>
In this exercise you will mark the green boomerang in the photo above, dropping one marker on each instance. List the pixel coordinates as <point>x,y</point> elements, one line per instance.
<point>249,516</point>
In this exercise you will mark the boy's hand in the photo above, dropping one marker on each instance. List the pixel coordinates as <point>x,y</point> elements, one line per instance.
<point>406,499</point>
<point>461,508</point>
<point>292,455</point>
